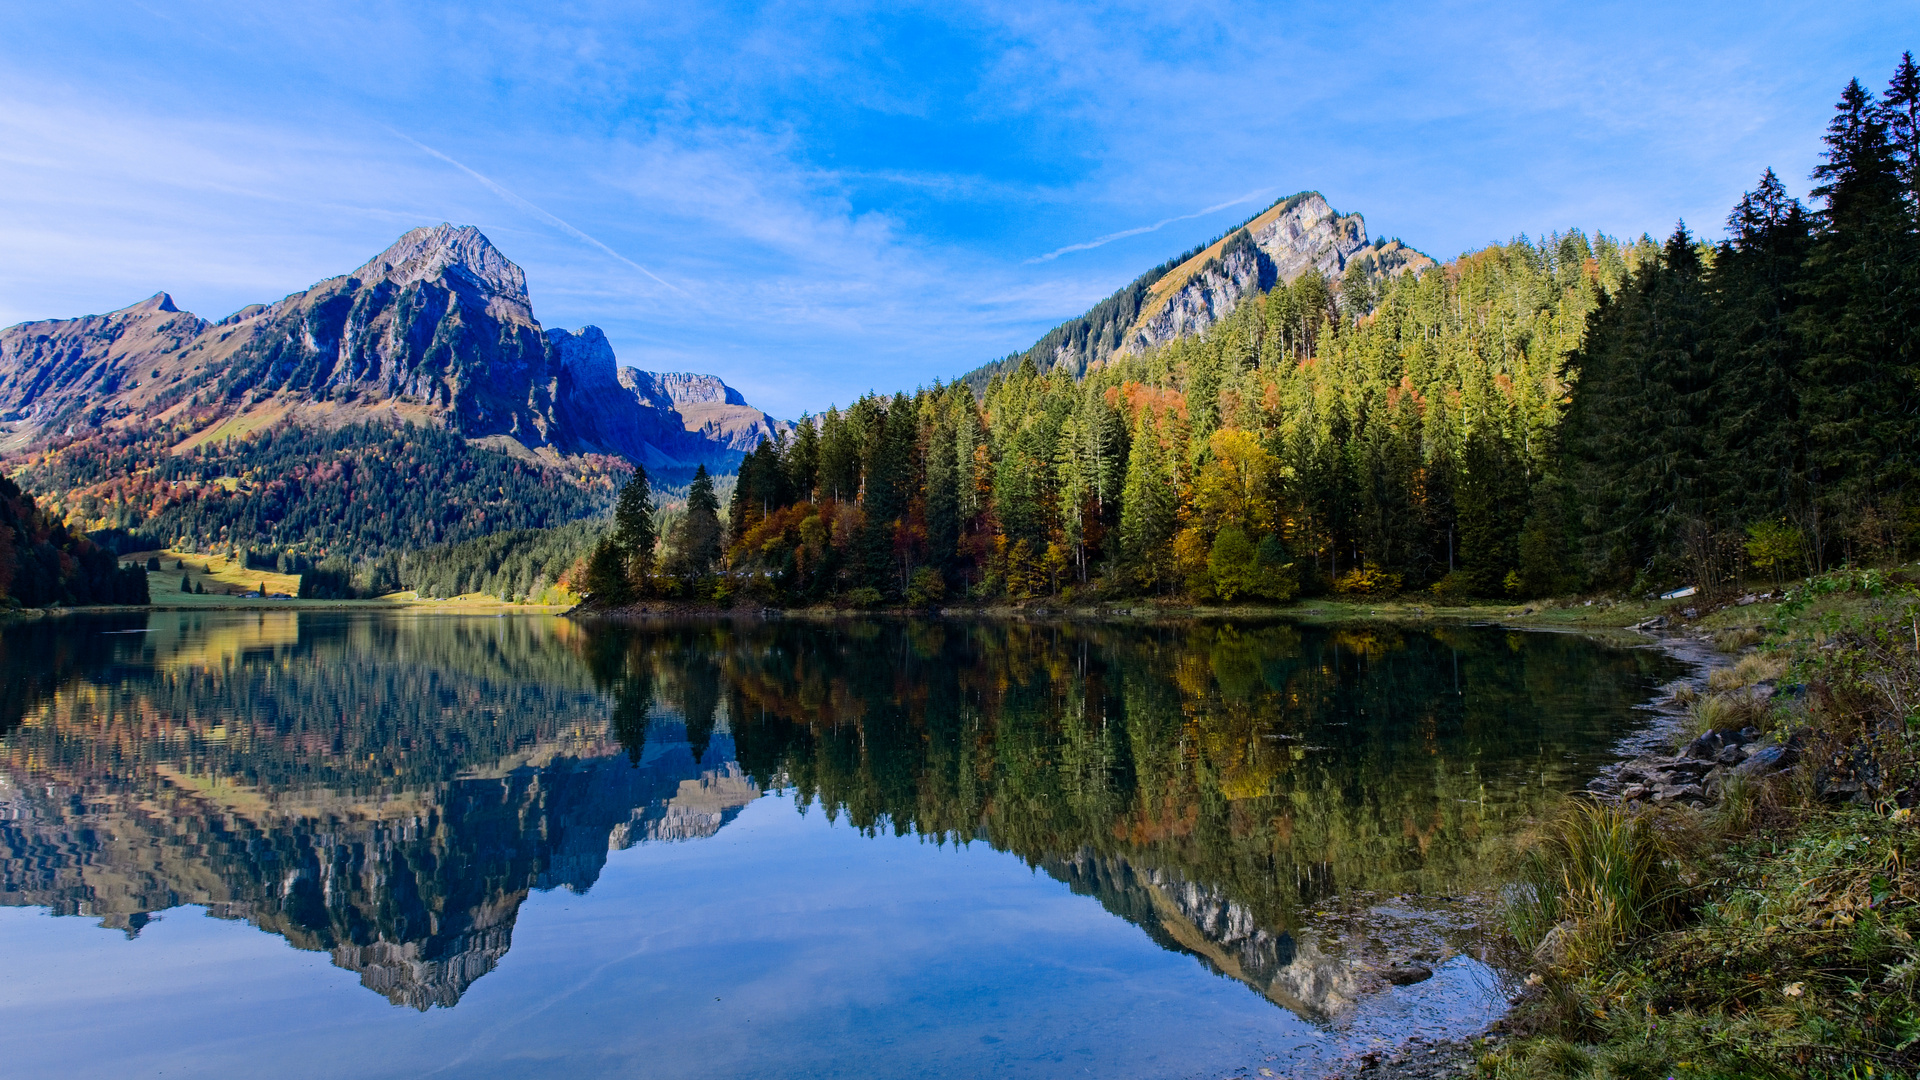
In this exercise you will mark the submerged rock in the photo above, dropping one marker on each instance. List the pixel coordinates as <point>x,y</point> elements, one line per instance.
<point>1407,974</point>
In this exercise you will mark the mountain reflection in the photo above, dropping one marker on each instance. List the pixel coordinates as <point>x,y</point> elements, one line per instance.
<point>390,789</point>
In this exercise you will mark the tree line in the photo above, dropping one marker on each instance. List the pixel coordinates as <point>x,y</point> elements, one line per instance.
<point>349,494</point>
<point>42,561</point>
<point>1536,418</point>
<point>1754,403</point>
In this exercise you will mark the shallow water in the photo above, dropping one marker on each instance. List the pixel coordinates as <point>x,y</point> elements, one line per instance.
<point>360,844</point>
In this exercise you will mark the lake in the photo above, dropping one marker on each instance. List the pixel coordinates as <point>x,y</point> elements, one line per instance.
<point>366,844</point>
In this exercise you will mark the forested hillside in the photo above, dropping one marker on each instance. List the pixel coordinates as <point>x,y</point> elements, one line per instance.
<point>352,493</point>
<point>1540,417</point>
<point>44,562</point>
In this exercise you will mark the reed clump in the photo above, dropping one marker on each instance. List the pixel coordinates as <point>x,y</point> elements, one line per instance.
<point>1752,668</point>
<point>1596,876</point>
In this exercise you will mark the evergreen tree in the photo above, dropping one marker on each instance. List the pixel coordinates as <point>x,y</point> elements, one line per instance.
<point>697,541</point>
<point>1493,508</point>
<point>1148,506</point>
<point>1901,108</point>
<point>633,528</point>
<point>943,483</point>
<point>1755,444</point>
<point>1640,424</point>
<point>1858,324</point>
<point>802,461</point>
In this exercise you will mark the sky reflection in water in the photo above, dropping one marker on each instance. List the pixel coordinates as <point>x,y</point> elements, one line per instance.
<point>505,819</point>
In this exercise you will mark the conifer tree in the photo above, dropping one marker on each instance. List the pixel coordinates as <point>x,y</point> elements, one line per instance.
<point>1755,445</point>
<point>1901,107</point>
<point>1148,505</point>
<point>696,540</point>
<point>1858,322</point>
<point>802,460</point>
<point>606,574</point>
<point>942,483</point>
<point>633,529</point>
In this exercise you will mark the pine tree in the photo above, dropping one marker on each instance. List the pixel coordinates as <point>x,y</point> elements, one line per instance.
<point>1148,504</point>
<point>1755,444</point>
<point>696,536</point>
<point>942,484</point>
<point>1489,529</point>
<point>802,460</point>
<point>1858,323</point>
<point>1639,423</point>
<point>1901,107</point>
<point>633,528</point>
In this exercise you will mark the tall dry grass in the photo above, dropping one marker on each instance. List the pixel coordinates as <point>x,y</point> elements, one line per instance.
<point>1596,876</point>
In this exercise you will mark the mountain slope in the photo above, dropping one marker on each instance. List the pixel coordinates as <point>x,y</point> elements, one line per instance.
<point>437,329</point>
<point>1187,295</point>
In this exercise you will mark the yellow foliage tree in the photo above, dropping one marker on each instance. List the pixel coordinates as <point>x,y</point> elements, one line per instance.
<point>1236,485</point>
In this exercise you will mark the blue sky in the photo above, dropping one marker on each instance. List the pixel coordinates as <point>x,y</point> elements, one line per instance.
<point>815,200</point>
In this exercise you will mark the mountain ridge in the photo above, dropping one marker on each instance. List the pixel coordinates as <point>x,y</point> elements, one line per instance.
<point>437,328</point>
<point>1189,293</point>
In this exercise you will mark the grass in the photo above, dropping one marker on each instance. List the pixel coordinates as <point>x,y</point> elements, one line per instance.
<point>1775,934</point>
<point>225,579</point>
<point>222,578</point>
<point>1596,876</point>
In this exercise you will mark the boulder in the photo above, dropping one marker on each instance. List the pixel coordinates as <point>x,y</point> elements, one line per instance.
<point>1767,759</point>
<point>1407,974</point>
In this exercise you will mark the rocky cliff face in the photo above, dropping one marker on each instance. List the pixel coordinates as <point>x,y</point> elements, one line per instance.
<point>1296,235</point>
<point>663,420</point>
<point>1291,238</point>
<point>437,328</point>
<point>1186,916</point>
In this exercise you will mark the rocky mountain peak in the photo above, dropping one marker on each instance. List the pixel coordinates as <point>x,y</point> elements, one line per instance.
<point>460,251</point>
<point>158,302</point>
<point>675,389</point>
<point>587,356</point>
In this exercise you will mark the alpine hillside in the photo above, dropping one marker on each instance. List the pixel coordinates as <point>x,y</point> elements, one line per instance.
<point>1187,295</point>
<point>415,401</point>
<point>436,329</point>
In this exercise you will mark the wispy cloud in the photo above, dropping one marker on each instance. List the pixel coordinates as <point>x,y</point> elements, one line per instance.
<point>1102,241</point>
<point>811,201</point>
<point>544,215</point>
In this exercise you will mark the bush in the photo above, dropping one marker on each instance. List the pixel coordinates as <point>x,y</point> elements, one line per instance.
<point>1367,580</point>
<point>926,587</point>
<point>865,596</point>
<point>1455,587</point>
<point>1598,875</point>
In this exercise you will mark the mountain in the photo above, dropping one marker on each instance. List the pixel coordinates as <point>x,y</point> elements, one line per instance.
<point>406,857</point>
<point>437,329</point>
<point>1186,295</point>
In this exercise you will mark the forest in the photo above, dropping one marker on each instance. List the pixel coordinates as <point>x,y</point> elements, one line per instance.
<point>1542,417</point>
<point>42,561</point>
<point>303,495</point>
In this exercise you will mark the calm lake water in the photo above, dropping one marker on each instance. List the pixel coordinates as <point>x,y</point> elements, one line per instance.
<point>361,844</point>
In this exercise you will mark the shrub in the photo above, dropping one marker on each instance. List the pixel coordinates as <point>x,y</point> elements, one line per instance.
<point>1598,875</point>
<point>926,587</point>
<point>1456,586</point>
<point>1368,580</point>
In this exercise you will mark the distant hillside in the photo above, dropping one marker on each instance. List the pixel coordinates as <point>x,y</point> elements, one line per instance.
<point>414,401</point>
<point>1186,295</point>
<point>437,329</point>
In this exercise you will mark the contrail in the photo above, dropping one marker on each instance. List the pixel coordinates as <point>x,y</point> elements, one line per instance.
<point>551,219</point>
<point>1124,233</point>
